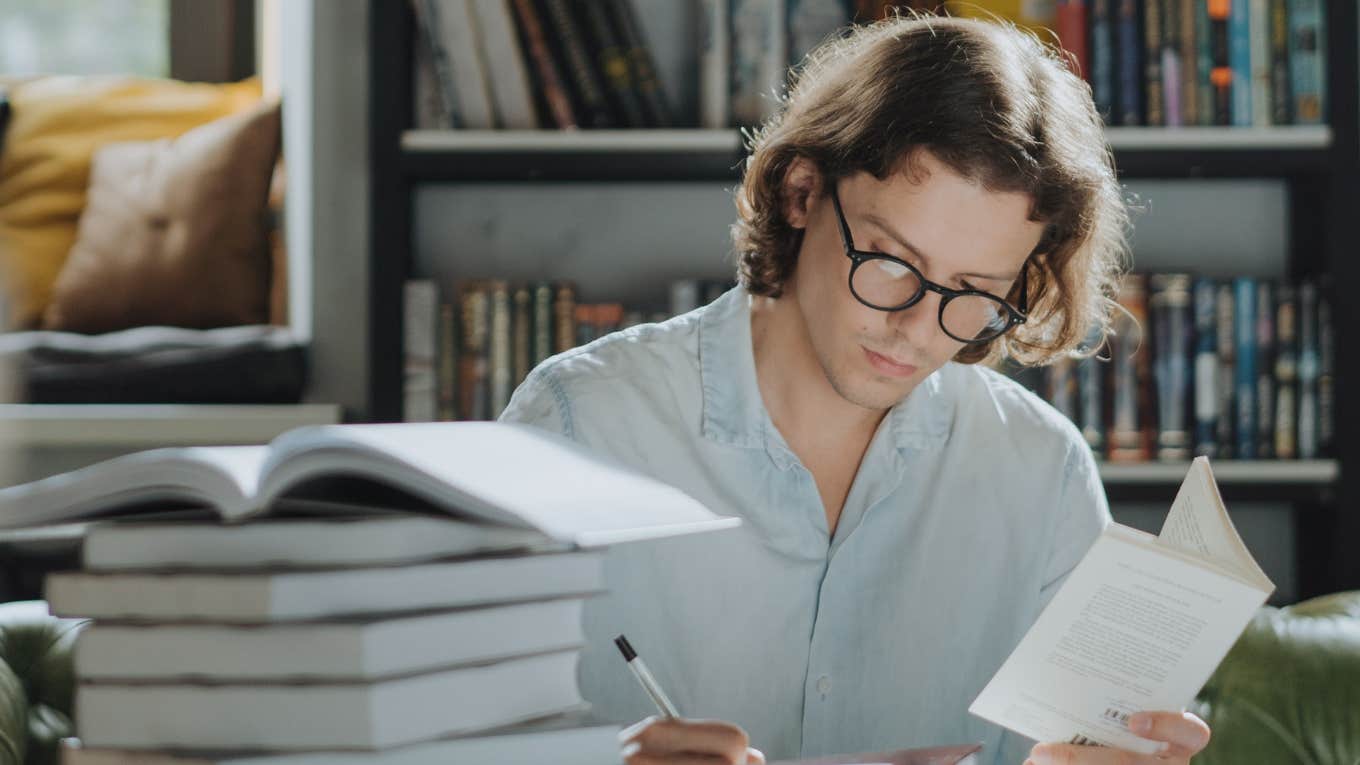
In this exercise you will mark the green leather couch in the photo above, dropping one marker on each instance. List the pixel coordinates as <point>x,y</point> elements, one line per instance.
<point>1287,694</point>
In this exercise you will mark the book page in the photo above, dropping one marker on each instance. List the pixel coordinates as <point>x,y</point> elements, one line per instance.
<point>1136,627</point>
<point>1199,524</point>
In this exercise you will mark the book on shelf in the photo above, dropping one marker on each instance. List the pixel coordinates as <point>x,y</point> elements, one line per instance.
<point>715,61</point>
<point>346,650</point>
<point>573,739</point>
<point>506,71</point>
<point>1235,372</point>
<point>449,27</point>
<point>1307,61</point>
<point>420,324</point>
<point>549,79</point>
<point>1140,623</point>
<point>386,713</point>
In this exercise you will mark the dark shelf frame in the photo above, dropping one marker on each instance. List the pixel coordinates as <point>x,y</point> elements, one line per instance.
<point>1324,200</point>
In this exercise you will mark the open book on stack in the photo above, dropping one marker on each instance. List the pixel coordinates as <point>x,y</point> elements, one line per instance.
<point>401,591</point>
<point>1139,625</point>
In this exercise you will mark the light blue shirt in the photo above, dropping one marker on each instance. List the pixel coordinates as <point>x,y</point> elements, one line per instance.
<point>972,503</point>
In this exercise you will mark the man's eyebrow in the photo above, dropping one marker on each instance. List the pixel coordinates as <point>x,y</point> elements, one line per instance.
<point>902,240</point>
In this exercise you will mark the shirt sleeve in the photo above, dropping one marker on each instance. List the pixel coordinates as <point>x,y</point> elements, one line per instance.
<point>540,401</point>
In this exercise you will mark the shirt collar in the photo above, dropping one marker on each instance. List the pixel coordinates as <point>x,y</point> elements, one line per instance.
<point>735,414</point>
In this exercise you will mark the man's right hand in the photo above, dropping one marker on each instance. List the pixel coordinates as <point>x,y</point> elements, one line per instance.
<point>661,741</point>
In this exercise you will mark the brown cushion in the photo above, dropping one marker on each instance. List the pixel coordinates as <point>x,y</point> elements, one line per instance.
<point>174,231</point>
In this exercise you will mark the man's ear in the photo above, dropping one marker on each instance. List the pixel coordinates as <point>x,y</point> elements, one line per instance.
<point>802,184</point>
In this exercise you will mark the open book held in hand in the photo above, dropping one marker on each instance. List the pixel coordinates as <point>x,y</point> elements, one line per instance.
<point>1139,625</point>
<point>941,755</point>
<point>494,473</point>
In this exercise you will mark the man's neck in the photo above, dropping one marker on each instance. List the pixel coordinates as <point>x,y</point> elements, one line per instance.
<point>797,394</point>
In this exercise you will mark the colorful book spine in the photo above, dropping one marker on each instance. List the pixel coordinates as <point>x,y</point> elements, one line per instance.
<point>1308,365</point>
<point>715,62</point>
<point>1102,73</point>
<point>1062,388</point>
<point>1225,324</point>
<point>1280,98</point>
<point>1206,405</point>
<point>522,324</point>
<point>1239,58</point>
<point>550,84</point>
<point>1153,39</point>
<point>1265,370</point>
<point>1258,27</point>
<point>1286,374</point>
<point>1221,75</point>
<point>564,316</point>
<point>500,361</point>
<point>1244,298</point>
<point>643,66</point>
<point>1204,63</point>
<point>1072,26</point>
<point>1170,304</point>
<point>1129,64</point>
<point>543,322</point>
<point>611,59</point>
<point>448,360</point>
<point>1308,81</point>
<point>575,53</point>
<point>473,378</point>
<point>1091,390</point>
<point>1189,61</point>
<point>1127,434</point>
<point>1172,81</point>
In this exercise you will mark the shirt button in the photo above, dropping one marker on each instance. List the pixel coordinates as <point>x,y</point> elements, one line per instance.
<point>824,684</point>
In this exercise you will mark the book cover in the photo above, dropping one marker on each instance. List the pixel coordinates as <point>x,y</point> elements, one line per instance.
<point>1307,61</point>
<point>1286,373</point>
<point>1207,396</point>
<point>550,83</point>
<point>1171,320</point>
<point>1258,27</point>
<point>1153,41</point>
<point>1102,73</point>
<point>1308,365</point>
<point>1072,26</point>
<point>1265,370</point>
<point>1226,326</point>
<point>569,44</point>
<point>1239,60</point>
<point>1244,308</point>
<point>1221,74</point>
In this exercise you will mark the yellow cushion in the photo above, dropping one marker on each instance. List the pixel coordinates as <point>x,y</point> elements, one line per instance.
<point>55,127</point>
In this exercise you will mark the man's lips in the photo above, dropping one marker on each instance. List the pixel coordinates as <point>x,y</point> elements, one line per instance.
<point>887,365</point>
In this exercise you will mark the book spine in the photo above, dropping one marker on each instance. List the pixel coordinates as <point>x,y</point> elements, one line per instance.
<point>1091,390</point>
<point>1326,386</point>
<point>509,79</point>
<point>1127,432</point>
<point>1279,63</point>
<point>523,326</point>
<point>752,27</point>
<point>575,53</point>
<point>612,60</point>
<point>1259,30</point>
<point>1102,59</point>
<point>587,328</point>
<point>1072,26</point>
<point>812,21</point>
<point>1189,60</point>
<point>1308,79</point>
<point>1172,102</point>
<point>501,363</point>
<point>427,23</point>
<point>463,40</point>
<point>430,110</point>
<point>1265,370</point>
<point>1308,372</point>
<point>1060,383</point>
<point>1206,368</point>
<point>1171,321</point>
<point>643,66</point>
<point>544,339</point>
<point>1244,298</point>
<point>1221,74</point>
<point>448,360</point>
<point>1225,324</point>
<point>1286,374</point>
<point>421,325</point>
<point>564,316</point>
<point>1204,63</point>
<point>473,382</point>
<point>551,86</point>
<point>1239,59</point>
<point>1155,110</point>
<point>715,57</point>
<point>1129,98</point>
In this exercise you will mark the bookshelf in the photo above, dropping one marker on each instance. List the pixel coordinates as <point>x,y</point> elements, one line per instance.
<point>1319,164</point>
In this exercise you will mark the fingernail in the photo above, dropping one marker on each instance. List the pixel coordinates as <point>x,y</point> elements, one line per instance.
<point>630,750</point>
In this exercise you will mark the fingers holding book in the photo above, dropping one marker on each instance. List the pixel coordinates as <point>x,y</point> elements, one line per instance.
<point>1181,734</point>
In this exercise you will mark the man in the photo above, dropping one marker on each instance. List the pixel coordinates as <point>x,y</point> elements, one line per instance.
<point>935,192</point>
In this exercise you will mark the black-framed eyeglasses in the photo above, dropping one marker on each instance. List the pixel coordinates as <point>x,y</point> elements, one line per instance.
<point>885,283</point>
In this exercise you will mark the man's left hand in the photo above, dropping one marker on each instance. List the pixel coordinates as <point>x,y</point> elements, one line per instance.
<point>1182,734</point>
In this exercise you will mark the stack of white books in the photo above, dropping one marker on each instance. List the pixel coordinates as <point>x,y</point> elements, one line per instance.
<point>348,594</point>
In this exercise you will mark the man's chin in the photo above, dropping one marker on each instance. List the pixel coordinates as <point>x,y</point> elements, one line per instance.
<point>876,393</point>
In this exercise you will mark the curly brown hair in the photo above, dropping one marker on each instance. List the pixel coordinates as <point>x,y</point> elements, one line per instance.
<point>990,101</point>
